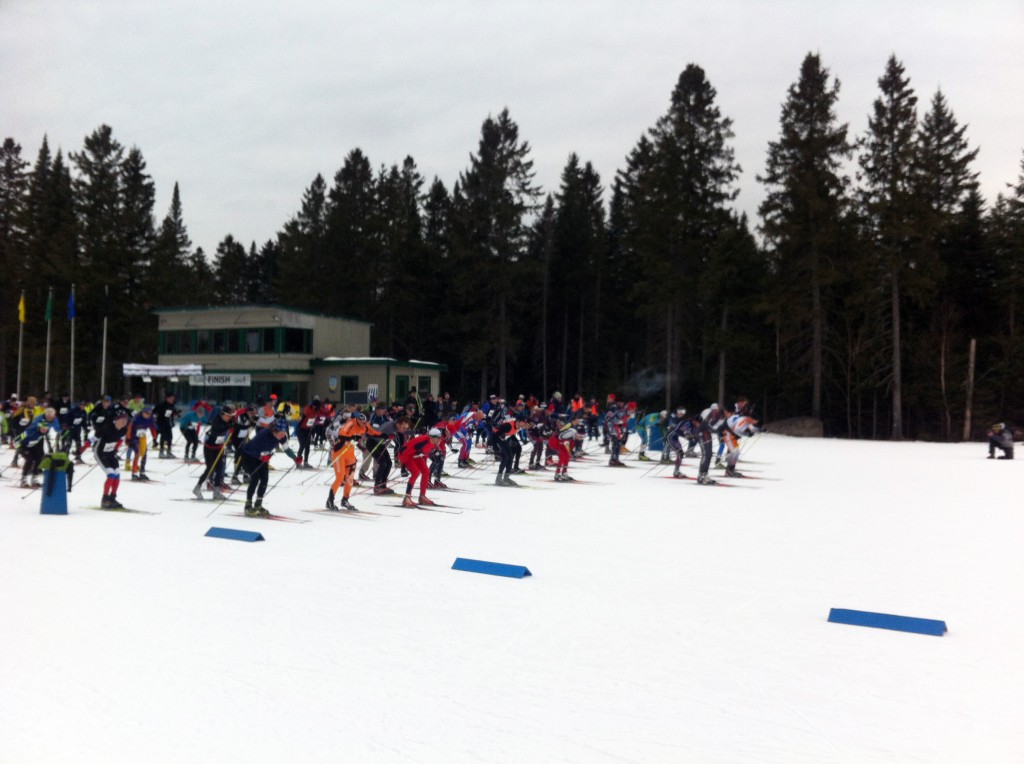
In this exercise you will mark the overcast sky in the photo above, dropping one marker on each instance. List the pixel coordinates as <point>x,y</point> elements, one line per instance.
<point>243,103</point>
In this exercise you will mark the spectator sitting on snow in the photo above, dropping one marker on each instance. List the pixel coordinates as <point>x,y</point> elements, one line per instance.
<point>1000,437</point>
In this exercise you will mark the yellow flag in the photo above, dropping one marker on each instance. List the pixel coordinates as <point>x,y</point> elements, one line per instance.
<point>21,308</point>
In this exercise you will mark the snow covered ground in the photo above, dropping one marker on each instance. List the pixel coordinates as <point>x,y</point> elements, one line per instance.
<point>664,621</point>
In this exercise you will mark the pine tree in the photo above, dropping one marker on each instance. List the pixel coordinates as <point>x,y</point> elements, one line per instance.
<point>804,206</point>
<point>230,273</point>
<point>171,271</point>
<point>676,187</point>
<point>947,188</point>
<point>351,244</point>
<point>892,212</point>
<point>498,194</point>
<point>14,183</point>
<point>579,247</point>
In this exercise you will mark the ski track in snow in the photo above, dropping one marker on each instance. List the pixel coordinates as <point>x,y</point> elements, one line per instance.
<point>664,621</point>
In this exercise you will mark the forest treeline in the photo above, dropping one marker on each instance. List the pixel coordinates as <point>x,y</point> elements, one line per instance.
<point>854,296</point>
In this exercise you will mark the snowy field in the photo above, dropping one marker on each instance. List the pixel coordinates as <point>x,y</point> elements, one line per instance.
<point>664,621</point>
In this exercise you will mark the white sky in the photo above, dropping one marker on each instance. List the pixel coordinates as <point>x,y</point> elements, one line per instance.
<point>243,103</point>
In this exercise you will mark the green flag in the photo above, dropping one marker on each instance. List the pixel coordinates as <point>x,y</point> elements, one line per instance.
<point>49,306</point>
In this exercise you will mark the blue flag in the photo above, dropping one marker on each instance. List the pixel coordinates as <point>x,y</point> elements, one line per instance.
<point>71,306</point>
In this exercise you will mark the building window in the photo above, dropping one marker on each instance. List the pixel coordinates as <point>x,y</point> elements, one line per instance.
<point>203,343</point>
<point>298,340</point>
<point>349,383</point>
<point>424,385</point>
<point>234,336</point>
<point>269,341</point>
<point>252,340</point>
<point>187,342</point>
<point>220,340</point>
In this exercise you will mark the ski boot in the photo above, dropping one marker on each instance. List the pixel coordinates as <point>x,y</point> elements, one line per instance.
<point>330,502</point>
<point>509,482</point>
<point>259,509</point>
<point>730,472</point>
<point>676,473</point>
<point>198,493</point>
<point>408,502</point>
<point>135,477</point>
<point>143,477</point>
<point>642,457</point>
<point>113,503</point>
<point>703,479</point>
<point>500,480</point>
<point>439,484</point>
<point>558,477</point>
<point>235,480</point>
<point>382,490</point>
<point>425,502</point>
<point>345,505</point>
<point>567,478</point>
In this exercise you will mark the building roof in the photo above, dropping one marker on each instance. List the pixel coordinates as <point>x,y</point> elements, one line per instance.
<point>253,306</point>
<point>357,361</point>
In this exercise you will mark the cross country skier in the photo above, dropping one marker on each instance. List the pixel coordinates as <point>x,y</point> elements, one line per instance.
<point>391,431</point>
<point>32,442</point>
<point>164,414</point>
<point>109,437</point>
<point>214,445</point>
<point>737,426</point>
<point>140,430</point>
<point>241,428</point>
<point>255,455</point>
<point>702,432</point>
<point>617,421</point>
<point>189,426</point>
<point>644,426</point>
<point>413,457</point>
<point>343,441</point>
<point>561,445</point>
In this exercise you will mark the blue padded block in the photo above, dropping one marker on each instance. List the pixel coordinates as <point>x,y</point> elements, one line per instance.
<point>236,535</point>
<point>885,621</point>
<point>490,568</point>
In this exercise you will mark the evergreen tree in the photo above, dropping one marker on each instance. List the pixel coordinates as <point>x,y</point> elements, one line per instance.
<point>351,242</point>
<point>498,194</point>
<point>13,198</point>
<point>171,272</point>
<point>892,211</point>
<point>305,261</point>
<point>231,268</point>
<point>579,247</point>
<point>803,210</point>
<point>403,283</point>
<point>947,188</point>
<point>678,201</point>
<point>138,234</point>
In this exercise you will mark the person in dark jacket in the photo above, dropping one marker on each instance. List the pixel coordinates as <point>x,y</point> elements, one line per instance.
<point>1001,437</point>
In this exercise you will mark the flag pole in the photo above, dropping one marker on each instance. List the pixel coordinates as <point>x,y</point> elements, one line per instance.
<point>71,305</point>
<point>103,355</point>
<point>21,338</point>
<point>49,321</point>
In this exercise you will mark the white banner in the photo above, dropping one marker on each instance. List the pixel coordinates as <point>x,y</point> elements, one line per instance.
<point>220,380</point>
<point>372,392</point>
<point>150,370</point>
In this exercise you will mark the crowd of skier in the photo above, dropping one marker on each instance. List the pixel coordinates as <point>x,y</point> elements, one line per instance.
<point>234,442</point>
